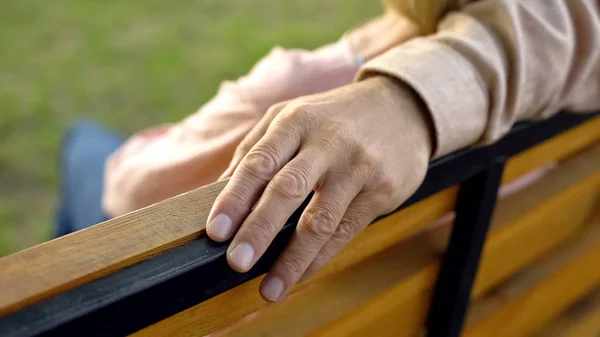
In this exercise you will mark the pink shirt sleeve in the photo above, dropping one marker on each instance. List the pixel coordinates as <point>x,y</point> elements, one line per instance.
<point>161,162</point>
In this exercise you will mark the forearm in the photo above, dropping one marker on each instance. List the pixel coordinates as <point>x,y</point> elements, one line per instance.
<point>500,61</point>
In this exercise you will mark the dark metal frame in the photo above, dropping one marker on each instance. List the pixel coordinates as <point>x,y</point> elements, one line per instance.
<point>152,290</point>
<point>474,208</point>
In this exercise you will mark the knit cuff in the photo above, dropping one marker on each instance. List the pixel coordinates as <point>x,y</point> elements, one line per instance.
<point>449,85</point>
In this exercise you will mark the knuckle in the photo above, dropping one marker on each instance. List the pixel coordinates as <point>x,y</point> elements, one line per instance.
<point>320,224</point>
<point>346,231</point>
<point>297,115</point>
<point>335,139</point>
<point>291,264</point>
<point>384,202</point>
<point>387,187</point>
<point>389,192</point>
<point>290,184</point>
<point>275,109</point>
<point>365,158</point>
<point>260,162</point>
<point>386,208</point>
<point>262,230</point>
<point>298,111</point>
<point>416,175</point>
<point>233,198</point>
<point>366,164</point>
<point>338,132</point>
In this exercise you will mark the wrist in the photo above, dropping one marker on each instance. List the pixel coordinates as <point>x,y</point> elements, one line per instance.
<point>407,102</point>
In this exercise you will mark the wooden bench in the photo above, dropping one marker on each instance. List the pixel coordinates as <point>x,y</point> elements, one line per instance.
<point>526,264</point>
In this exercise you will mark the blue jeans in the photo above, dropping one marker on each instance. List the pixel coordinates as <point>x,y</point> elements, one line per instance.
<point>85,148</point>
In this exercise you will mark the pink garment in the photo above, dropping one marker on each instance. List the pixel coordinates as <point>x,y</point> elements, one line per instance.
<point>162,162</point>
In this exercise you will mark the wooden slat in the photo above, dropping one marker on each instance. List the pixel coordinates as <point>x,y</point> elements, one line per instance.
<point>581,320</point>
<point>554,149</point>
<point>61,264</point>
<point>532,299</point>
<point>373,240</point>
<point>56,266</point>
<point>236,303</point>
<point>556,184</point>
<point>323,301</point>
<point>400,308</point>
<point>508,249</point>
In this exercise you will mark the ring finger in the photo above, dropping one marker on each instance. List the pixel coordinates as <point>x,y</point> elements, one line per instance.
<point>317,223</point>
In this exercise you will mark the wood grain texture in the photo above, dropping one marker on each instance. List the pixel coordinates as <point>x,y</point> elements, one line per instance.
<point>554,149</point>
<point>510,247</point>
<point>581,320</point>
<point>323,301</point>
<point>56,266</point>
<point>34,274</point>
<point>218,311</point>
<point>565,187</point>
<point>236,303</point>
<point>210,315</point>
<point>364,299</point>
<point>535,297</point>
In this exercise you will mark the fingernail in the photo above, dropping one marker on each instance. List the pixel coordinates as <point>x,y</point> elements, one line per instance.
<point>220,227</point>
<point>272,288</point>
<point>242,255</point>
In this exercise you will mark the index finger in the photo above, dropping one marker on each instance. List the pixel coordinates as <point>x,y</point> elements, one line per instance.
<point>257,132</point>
<point>250,178</point>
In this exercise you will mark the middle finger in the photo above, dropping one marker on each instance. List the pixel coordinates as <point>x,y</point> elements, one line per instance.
<point>317,224</point>
<point>282,196</point>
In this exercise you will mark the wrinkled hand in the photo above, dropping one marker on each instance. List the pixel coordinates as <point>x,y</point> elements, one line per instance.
<point>363,149</point>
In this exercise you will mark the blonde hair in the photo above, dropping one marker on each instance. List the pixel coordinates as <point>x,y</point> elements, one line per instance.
<point>426,13</point>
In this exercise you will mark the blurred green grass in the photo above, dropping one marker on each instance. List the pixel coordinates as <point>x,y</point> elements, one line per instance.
<point>128,65</point>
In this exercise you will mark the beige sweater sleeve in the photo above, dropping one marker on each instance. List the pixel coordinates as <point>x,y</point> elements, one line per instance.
<point>497,62</point>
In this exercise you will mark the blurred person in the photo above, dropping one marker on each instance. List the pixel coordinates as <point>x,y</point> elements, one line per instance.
<point>104,176</point>
<point>364,148</point>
